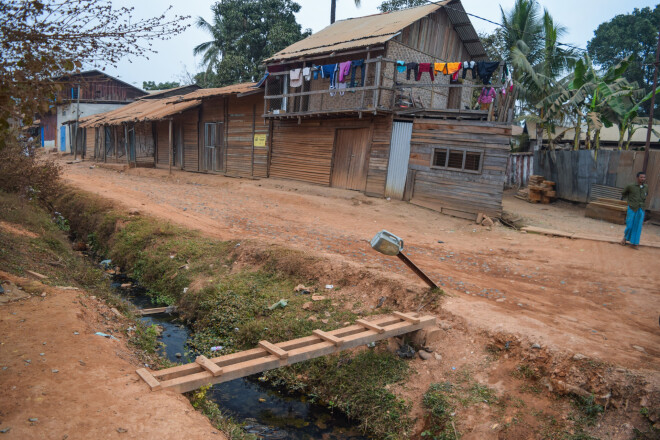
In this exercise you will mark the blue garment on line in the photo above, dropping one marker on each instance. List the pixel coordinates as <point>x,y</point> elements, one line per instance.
<point>401,66</point>
<point>354,65</point>
<point>634,220</point>
<point>328,71</point>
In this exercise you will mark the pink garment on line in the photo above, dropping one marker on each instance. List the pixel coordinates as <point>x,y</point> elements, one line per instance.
<point>344,70</point>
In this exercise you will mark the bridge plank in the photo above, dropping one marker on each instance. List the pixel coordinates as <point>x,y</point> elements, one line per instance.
<point>209,366</point>
<point>370,326</point>
<point>273,349</point>
<point>149,379</point>
<point>328,337</point>
<point>188,377</point>
<point>406,317</point>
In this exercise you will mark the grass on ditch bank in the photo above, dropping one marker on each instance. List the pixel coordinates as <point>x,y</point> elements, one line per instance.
<point>233,305</point>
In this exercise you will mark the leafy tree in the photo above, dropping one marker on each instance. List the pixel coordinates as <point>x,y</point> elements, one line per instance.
<point>333,9</point>
<point>243,34</point>
<point>632,36</point>
<point>395,5</point>
<point>151,85</point>
<point>46,39</point>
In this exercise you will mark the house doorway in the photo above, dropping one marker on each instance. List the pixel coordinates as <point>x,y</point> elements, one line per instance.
<point>349,168</point>
<point>213,147</point>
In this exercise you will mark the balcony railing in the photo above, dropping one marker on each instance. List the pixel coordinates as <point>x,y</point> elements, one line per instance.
<point>384,90</point>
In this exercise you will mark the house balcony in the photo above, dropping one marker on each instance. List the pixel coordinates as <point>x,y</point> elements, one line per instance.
<point>383,91</point>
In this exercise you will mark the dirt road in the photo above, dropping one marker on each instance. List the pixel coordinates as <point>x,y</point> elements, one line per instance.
<point>61,381</point>
<point>595,298</point>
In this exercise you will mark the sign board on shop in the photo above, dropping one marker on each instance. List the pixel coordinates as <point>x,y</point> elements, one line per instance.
<point>259,140</point>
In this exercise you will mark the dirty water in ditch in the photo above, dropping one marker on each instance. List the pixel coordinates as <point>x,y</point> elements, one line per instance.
<point>264,411</point>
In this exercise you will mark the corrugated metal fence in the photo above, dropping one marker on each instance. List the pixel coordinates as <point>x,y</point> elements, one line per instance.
<point>397,169</point>
<point>519,167</point>
<point>575,172</point>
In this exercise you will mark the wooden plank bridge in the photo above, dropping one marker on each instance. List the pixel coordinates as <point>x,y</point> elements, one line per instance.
<point>268,356</point>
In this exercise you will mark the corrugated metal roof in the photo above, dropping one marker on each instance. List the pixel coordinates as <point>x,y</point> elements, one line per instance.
<point>463,27</point>
<point>356,32</point>
<point>156,109</point>
<point>607,134</point>
<point>233,89</point>
<point>141,111</point>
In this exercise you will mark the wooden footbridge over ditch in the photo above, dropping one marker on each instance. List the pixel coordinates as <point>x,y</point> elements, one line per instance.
<point>268,356</point>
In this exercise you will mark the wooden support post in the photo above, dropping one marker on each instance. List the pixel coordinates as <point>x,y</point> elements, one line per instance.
<point>209,366</point>
<point>273,349</point>
<point>128,159</point>
<point>407,317</point>
<point>377,91</point>
<point>149,379</point>
<point>328,337</point>
<point>170,145</point>
<point>370,326</point>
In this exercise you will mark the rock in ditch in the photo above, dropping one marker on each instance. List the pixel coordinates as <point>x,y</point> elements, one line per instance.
<point>424,355</point>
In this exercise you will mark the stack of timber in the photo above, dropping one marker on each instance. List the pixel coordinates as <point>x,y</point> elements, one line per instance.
<point>610,210</point>
<point>541,190</point>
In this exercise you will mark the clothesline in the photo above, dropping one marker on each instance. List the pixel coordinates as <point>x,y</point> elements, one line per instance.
<point>339,73</point>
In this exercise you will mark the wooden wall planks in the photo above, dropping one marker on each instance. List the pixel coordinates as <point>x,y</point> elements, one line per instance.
<point>305,151</point>
<point>458,193</point>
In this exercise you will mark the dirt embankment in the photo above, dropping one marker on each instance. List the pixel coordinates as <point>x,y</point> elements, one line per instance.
<point>59,380</point>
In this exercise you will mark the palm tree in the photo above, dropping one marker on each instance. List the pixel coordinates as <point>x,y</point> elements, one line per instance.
<point>211,49</point>
<point>539,62</point>
<point>333,9</point>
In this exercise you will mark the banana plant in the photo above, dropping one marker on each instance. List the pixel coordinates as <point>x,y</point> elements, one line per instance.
<point>630,121</point>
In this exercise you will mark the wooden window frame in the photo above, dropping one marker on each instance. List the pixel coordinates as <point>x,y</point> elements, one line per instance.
<point>462,169</point>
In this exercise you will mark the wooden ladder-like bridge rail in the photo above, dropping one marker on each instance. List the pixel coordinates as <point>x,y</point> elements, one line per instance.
<point>267,356</point>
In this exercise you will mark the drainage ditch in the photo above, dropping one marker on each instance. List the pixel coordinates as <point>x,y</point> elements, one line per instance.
<point>264,411</point>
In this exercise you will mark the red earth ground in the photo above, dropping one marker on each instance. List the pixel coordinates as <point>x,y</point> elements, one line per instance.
<point>596,298</point>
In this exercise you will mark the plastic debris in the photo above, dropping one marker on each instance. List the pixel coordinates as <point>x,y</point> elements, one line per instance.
<point>105,335</point>
<point>105,263</point>
<point>217,348</point>
<point>329,286</point>
<point>281,303</point>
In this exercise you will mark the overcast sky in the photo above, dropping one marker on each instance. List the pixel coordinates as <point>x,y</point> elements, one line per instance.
<point>175,58</point>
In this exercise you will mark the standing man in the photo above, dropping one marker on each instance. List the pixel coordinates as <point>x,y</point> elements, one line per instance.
<point>635,194</point>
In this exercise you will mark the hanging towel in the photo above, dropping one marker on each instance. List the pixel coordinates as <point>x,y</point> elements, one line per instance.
<point>469,65</point>
<point>400,66</point>
<point>342,87</point>
<point>307,73</point>
<point>440,68</point>
<point>344,69</point>
<point>485,69</point>
<point>295,77</point>
<point>425,67</point>
<point>411,67</point>
<point>354,67</point>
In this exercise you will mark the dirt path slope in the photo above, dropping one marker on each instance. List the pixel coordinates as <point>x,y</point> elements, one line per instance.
<point>58,380</point>
<point>595,298</point>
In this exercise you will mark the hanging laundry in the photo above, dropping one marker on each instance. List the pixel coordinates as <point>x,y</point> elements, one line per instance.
<point>342,88</point>
<point>452,69</point>
<point>425,67</point>
<point>486,97</point>
<point>307,73</point>
<point>316,70</point>
<point>440,68</point>
<point>485,69</point>
<point>470,65</point>
<point>400,66</point>
<point>507,80</point>
<point>328,71</point>
<point>354,66</point>
<point>295,78</point>
<point>344,69</point>
<point>411,67</point>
